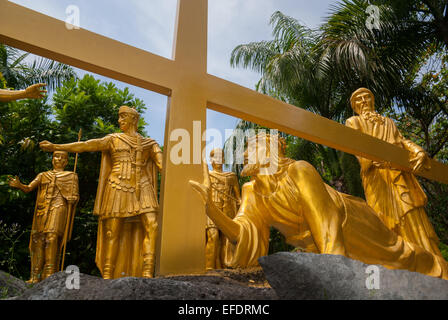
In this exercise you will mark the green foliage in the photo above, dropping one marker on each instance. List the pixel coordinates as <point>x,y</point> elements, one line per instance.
<point>437,207</point>
<point>12,252</point>
<point>19,74</point>
<point>277,242</point>
<point>86,104</point>
<point>444,250</point>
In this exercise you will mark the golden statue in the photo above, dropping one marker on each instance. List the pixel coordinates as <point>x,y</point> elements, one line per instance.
<point>57,196</point>
<point>126,200</point>
<point>291,196</point>
<point>395,196</point>
<point>34,91</point>
<point>226,197</point>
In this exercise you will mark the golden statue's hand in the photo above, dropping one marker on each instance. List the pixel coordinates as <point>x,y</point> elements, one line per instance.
<point>420,161</point>
<point>14,182</point>
<point>203,188</point>
<point>35,91</point>
<point>47,146</point>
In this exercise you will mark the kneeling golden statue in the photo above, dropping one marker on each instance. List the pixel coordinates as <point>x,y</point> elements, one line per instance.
<point>57,196</point>
<point>291,196</point>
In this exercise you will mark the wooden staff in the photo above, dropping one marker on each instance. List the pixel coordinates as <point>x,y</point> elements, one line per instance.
<point>70,214</point>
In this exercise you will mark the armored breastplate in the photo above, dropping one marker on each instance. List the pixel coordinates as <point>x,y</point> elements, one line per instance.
<point>124,168</point>
<point>50,195</point>
<point>220,188</point>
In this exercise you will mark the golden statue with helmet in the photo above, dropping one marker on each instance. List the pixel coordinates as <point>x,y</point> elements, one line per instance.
<point>226,196</point>
<point>126,200</point>
<point>57,196</point>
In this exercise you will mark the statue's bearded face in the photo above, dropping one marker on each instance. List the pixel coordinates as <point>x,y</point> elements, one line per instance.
<point>258,160</point>
<point>126,121</point>
<point>60,160</point>
<point>363,102</point>
<point>250,169</point>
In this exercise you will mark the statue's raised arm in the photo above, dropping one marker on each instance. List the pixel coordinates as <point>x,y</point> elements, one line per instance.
<point>34,91</point>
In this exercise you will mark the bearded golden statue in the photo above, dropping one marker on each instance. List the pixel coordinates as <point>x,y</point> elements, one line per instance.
<point>291,196</point>
<point>226,197</point>
<point>126,200</point>
<point>34,91</point>
<point>57,196</point>
<point>395,196</point>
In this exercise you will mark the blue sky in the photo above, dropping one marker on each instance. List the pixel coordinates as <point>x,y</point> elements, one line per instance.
<point>149,25</point>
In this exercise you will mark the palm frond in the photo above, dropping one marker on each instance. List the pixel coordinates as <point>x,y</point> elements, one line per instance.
<point>50,72</point>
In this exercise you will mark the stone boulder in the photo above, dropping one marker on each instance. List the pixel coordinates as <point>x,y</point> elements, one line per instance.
<point>218,285</point>
<point>308,276</point>
<point>10,286</point>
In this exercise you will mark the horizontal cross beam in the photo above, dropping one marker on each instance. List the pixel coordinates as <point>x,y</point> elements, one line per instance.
<point>240,102</point>
<point>34,32</point>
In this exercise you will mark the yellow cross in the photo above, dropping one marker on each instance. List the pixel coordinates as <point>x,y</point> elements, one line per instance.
<point>191,90</point>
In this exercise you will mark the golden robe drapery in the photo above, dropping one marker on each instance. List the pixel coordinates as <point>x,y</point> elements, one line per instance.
<point>116,198</point>
<point>395,196</point>
<point>364,236</point>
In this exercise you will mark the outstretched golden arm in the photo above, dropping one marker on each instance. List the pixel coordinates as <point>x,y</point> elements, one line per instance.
<point>35,91</point>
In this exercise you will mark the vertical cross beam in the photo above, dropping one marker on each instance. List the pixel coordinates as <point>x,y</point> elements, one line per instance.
<point>181,244</point>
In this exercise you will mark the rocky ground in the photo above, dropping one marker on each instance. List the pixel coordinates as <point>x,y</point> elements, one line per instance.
<point>248,284</point>
<point>284,276</point>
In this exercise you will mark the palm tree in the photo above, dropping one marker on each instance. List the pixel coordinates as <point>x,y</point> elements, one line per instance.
<point>378,58</point>
<point>20,74</point>
<point>291,68</point>
<point>429,17</point>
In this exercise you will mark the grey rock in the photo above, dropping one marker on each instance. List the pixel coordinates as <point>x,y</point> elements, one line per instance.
<point>10,286</point>
<point>214,286</point>
<point>308,276</point>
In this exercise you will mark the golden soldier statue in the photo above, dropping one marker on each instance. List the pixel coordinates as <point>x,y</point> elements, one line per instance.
<point>57,196</point>
<point>32,92</point>
<point>291,196</point>
<point>126,200</point>
<point>226,196</point>
<point>396,196</point>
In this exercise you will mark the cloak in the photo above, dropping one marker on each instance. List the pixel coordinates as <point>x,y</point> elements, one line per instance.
<point>67,183</point>
<point>129,260</point>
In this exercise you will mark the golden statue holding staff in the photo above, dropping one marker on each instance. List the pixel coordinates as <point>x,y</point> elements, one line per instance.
<point>126,200</point>
<point>395,196</point>
<point>34,91</point>
<point>57,196</point>
<point>291,196</point>
<point>226,197</point>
